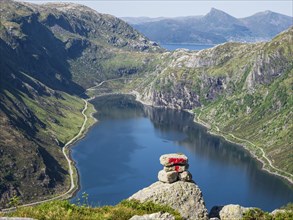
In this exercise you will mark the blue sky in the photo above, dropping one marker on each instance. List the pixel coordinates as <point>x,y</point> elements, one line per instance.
<point>165,8</point>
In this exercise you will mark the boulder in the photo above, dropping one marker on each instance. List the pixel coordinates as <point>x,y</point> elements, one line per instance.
<point>173,159</point>
<point>185,176</point>
<point>177,168</point>
<point>185,197</point>
<point>276,211</point>
<point>168,177</point>
<point>154,216</point>
<point>228,212</point>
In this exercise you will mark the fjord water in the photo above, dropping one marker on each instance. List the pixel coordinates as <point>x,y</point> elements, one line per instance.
<point>120,155</point>
<point>172,47</point>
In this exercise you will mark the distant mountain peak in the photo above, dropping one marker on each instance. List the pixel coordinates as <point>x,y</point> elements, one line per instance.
<point>220,15</point>
<point>215,11</point>
<point>218,18</point>
<point>268,12</point>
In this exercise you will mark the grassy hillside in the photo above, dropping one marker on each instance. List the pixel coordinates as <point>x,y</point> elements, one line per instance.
<point>65,210</point>
<point>34,128</point>
<point>261,111</point>
<point>49,55</point>
<point>123,211</point>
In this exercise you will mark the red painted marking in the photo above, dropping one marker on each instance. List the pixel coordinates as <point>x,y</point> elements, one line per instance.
<point>177,168</point>
<point>177,160</point>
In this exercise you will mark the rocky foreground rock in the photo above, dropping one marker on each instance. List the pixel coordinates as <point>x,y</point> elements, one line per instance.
<point>154,216</point>
<point>185,197</point>
<point>228,212</point>
<point>175,188</point>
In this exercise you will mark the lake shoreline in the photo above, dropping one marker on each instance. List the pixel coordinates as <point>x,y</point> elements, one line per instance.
<point>137,97</point>
<point>188,46</point>
<point>208,127</point>
<point>263,163</point>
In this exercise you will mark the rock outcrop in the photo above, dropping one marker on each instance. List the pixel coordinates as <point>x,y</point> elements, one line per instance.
<point>154,216</point>
<point>228,212</point>
<point>185,197</point>
<point>175,188</point>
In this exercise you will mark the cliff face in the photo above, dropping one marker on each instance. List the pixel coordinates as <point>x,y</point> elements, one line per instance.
<point>192,79</point>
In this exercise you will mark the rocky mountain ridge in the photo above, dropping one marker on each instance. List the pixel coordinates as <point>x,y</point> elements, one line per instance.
<point>213,28</point>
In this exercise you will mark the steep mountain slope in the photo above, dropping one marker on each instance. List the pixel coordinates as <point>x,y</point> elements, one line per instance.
<point>49,54</point>
<point>242,91</point>
<point>213,28</point>
<point>223,24</point>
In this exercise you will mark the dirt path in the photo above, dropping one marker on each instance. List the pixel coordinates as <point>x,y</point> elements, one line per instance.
<point>69,161</point>
<point>67,194</point>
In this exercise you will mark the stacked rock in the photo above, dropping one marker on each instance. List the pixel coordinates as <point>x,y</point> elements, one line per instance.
<point>175,168</point>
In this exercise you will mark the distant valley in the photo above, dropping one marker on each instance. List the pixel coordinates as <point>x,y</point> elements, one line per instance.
<point>213,28</point>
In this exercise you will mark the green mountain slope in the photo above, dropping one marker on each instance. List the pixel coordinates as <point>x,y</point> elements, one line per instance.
<point>242,91</point>
<point>49,55</point>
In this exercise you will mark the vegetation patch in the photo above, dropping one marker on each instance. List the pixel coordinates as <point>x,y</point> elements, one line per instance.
<point>286,213</point>
<point>66,211</point>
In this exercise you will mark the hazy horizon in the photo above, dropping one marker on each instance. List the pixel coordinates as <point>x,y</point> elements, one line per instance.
<point>165,8</point>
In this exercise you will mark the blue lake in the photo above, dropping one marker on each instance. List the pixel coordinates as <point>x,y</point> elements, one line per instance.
<point>120,155</point>
<point>172,47</point>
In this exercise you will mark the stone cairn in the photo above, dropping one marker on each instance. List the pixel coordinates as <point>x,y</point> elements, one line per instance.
<point>175,168</point>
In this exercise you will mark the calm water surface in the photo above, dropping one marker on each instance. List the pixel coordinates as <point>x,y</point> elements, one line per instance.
<point>172,47</point>
<point>120,155</point>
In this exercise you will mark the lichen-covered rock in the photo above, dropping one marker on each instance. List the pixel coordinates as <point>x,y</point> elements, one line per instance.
<point>177,168</point>
<point>167,177</point>
<point>276,211</point>
<point>228,212</point>
<point>185,197</point>
<point>173,159</point>
<point>232,212</point>
<point>154,216</point>
<point>185,176</point>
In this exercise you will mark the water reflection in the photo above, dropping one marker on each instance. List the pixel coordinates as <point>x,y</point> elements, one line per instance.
<point>120,156</point>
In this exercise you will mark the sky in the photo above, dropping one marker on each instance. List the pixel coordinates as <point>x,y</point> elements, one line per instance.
<point>176,8</point>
